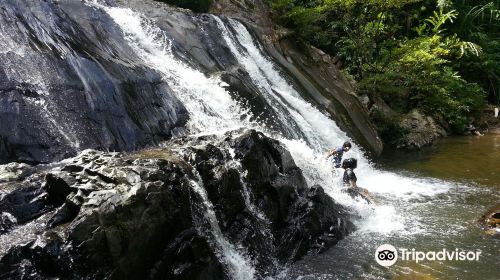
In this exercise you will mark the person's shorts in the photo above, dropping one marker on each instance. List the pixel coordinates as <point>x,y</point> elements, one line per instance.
<point>337,162</point>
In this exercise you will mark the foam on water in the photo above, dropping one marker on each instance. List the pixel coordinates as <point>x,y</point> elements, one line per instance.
<point>321,133</point>
<point>213,111</point>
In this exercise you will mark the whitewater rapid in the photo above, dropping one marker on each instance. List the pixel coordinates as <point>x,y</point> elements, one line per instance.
<point>213,111</point>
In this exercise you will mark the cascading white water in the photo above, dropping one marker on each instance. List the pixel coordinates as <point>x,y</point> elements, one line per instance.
<point>319,130</point>
<point>238,265</point>
<point>212,111</point>
<point>261,219</point>
<point>210,107</point>
<point>322,134</point>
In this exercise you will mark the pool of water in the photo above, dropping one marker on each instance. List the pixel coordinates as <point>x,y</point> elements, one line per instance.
<point>468,159</point>
<point>468,168</point>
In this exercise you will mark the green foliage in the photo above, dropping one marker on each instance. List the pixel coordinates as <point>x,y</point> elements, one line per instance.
<point>199,6</point>
<point>418,70</point>
<point>480,24</point>
<point>438,19</point>
<point>437,56</point>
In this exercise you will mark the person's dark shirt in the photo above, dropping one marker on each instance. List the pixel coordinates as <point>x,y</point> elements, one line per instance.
<point>349,176</point>
<point>339,153</point>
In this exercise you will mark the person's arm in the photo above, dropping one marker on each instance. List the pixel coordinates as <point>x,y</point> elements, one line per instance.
<point>331,153</point>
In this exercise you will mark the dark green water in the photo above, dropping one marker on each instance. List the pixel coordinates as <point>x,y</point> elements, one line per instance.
<point>458,180</point>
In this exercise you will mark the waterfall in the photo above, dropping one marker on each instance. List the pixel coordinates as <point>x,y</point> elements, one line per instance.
<point>321,133</point>
<point>211,108</point>
<point>213,111</point>
<point>239,266</point>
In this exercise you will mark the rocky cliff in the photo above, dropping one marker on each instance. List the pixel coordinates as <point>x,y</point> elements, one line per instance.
<point>69,81</point>
<point>148,201</point>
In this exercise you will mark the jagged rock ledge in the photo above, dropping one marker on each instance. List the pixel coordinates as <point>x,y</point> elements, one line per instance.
<point>490,221</point>
<point>137,216</point>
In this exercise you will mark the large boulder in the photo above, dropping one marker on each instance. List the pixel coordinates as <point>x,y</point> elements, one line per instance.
<point>262,199</point>
<point>421,130</point>
<point>141,216</point>
<point>106,215</point>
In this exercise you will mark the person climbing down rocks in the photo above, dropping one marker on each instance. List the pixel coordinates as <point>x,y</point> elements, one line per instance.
<point>338,153</point>
<point>350,181</point>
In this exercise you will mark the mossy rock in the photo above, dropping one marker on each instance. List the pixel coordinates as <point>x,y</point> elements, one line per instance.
<point>199,6</point>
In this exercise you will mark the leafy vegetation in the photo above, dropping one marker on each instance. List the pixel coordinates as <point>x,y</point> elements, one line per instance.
<point>441,57</point>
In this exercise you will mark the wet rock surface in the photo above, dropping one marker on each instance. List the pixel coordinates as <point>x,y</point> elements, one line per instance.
<point>69,81</point>
<point>105,215</point>
<point>490,221</point>
<point>84,87</point>
<point>422,131</point>
<point>316,74</point>
<point>278,198</point>
<point>136,216</point>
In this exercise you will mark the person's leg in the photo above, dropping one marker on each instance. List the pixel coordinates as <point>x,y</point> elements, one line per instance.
<point>337,162</point>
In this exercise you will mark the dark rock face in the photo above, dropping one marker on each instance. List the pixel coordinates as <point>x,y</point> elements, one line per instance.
<point>108,215</point>
<point>295,217</point>
<point>69,81</point>
<point>200,6</point>
<point>111,215</point>
<point>422,130</point>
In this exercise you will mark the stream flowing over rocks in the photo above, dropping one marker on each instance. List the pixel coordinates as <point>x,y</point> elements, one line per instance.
<point>144,141</point>
<point>144,215</point>
<point>70,79</point>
